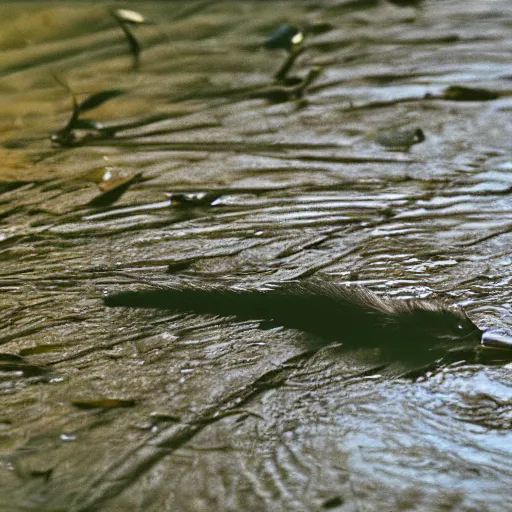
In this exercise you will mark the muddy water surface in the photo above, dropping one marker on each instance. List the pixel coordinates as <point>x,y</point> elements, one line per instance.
<point>214,414</point>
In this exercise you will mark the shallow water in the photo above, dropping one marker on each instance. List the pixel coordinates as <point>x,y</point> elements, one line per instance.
<point>227,415</point>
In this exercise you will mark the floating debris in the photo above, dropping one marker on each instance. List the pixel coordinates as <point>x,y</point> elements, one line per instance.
<point>286,37</point>
<point>102,403</point>
<point>67,437</point>
<point>126,17</point>
<point>401,139</point>
<point>100,174</point>
<point>193,199</point>
<point>282,93</point>
<point>113,190</point>
<point>460,93</point>
<point>78,130</point>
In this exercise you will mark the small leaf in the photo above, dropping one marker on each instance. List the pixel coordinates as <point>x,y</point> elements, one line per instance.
<point>98,175</point>
<point>128,16</point>
<point>107,186</point>
<point>112,194</point>
<point>286,38</point>
<point>194,199</point>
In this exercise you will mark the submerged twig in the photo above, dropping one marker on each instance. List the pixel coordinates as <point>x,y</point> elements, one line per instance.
<point>125,17</point>
<point>282,93</point>
<point>69,135</point>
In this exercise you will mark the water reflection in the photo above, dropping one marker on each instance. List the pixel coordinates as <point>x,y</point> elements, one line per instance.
<point>258,423</point>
